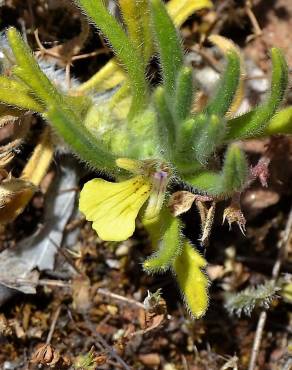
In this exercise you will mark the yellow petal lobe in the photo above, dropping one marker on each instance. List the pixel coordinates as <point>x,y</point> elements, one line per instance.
<point>192,281</point>
<point>130,165</point>
<point>113,207</point>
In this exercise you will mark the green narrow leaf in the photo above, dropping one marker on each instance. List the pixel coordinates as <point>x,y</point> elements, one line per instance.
<point>184,153</point>
<point>123,48</point>
<point>29,71</point>
<point>167,243</point>
<point>184,139</point>
<point>199,137</point>
<point>208,137</point>
<point>222,184</point>
<point>79,139</point>
<point>61,116</point>
<point>227,86</point>
<point>254,122</point>
<point>281,123</point>
<point>145,20</point>
<point>20,100</point>
<point>136,14</point>
<point>183,94</point>
<point>235,170</point>
<point>15,93</point>
<point>169,45</point>
<point>8,83</point>
<point>165,124</point>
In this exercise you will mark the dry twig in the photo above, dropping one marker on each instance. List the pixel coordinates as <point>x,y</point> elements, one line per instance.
<point>209,59</point>
<point>255,24</point>
<point>120,298</point>
<point>53,324</point>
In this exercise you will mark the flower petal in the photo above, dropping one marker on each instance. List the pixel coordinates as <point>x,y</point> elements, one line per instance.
<point>113,207</point>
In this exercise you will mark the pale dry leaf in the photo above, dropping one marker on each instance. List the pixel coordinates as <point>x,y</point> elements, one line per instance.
<point>39,250</point>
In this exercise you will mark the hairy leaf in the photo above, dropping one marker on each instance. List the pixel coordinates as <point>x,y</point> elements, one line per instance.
<point>80,139</point>
<point>165,123</point>
<point>167,240</point>
<point>225,45</point>
<point>169,45</point>
<point>235,170</point>
<point>29,71</point>
<point>63,118</point>
<point>250,298</point>
<point>254,122</point>
<point>281,123</point>
<point>124,49</point>
<point>207,137</point>
<point>112,74</point>
<point>227,86</point>
<point>136,14</point>
<point>183,95</point>
<point>13,92</point>
<point>199,136</point>
<point>222,184</point>
<point>192,280</point>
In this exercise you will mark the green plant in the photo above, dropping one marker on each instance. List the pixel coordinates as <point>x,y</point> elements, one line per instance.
<point>250,298</point>
<point>159,140</point>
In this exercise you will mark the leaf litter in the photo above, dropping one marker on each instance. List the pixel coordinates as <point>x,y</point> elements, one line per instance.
<point>38,251</point>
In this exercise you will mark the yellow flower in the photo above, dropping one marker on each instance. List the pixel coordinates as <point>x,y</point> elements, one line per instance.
<point>113,207</point>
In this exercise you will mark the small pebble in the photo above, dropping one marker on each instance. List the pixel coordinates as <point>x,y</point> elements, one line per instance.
<point>122,250</point>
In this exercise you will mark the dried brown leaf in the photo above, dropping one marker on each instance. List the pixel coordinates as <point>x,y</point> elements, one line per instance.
<point>14,195</point>
<point>180,202</point>
<point>45,354</point>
